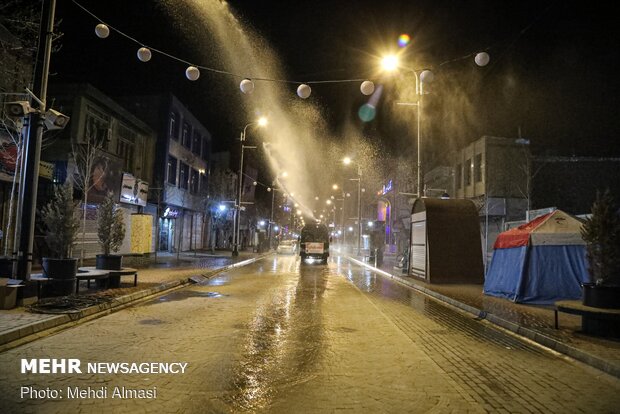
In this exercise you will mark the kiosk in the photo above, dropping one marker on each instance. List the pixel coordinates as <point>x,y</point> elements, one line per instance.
<point>445,241</point>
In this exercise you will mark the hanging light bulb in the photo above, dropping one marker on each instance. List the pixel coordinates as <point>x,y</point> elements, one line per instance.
<point>367,87</point>
<point>427,76</point>
<point>482,59</point>
<point>102,31</point>
<point>304,91</point>
<point>246,86</point>
<point>144,54</point>
<point>192,73</point>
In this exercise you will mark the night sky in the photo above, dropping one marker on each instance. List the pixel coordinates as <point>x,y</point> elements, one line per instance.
<point>553,75</point>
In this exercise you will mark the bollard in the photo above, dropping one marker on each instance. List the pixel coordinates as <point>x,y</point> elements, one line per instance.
<point>376,250</point>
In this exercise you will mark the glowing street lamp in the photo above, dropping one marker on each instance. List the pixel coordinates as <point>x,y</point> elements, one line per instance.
<point>390,63</point>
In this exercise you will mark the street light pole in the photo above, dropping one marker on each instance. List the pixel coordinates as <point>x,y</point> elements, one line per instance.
<point>359,209</point>
<point>273,197</point>
<point>344,230</point>
<point>29,179</point>
<point>419,110</point>
<point>418,105</point>
<point>347,161</point>
<point>237,220</point>
<point>390,63</point>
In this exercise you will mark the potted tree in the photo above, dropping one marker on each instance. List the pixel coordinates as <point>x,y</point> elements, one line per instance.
<point>111,232</point>
<point>601,232</point>
<point>61,228</point>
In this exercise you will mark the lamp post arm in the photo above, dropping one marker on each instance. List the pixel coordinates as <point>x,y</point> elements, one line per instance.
<point>245,128</point>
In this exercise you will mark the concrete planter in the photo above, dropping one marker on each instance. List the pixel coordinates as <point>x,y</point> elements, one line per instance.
<point>63,272</point>
<point>601,296</point>
<point>110,262</point>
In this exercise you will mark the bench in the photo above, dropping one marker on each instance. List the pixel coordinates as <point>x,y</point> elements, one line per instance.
<point>89,275</point>
<point>124,271</point>
<point>40,279</point>
<point>594,321</point>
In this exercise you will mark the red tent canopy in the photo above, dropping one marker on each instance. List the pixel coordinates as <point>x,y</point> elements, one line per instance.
<point>555,228</point>
<point>519,236</point>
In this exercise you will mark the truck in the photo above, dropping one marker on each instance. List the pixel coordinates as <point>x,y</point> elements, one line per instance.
<point>314,242</point>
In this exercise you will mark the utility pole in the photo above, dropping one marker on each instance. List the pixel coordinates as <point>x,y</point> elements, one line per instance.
<point>29,180</point>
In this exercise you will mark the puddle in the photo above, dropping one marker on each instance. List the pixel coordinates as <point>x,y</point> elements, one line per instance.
<point>184,294</point>
<point>151,322</point>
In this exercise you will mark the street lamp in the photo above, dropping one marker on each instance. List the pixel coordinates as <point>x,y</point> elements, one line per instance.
<point>237,223</point>
<point>273,190</point>
<point>390,63</point>
<point>348,161</point>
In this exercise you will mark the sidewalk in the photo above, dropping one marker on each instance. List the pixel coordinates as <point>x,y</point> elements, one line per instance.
<point>167,271</point>
<point>533,322</point>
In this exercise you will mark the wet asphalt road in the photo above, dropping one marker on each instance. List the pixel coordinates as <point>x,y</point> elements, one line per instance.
<point>277,336</point>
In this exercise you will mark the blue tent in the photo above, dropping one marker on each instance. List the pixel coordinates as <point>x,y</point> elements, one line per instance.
<point>540,262</point>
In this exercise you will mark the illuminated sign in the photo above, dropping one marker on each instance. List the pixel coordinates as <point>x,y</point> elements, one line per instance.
<point>134,191</point>
<point>387,188</point>
<point>170,213</point>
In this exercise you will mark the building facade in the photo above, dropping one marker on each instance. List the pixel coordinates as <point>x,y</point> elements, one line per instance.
<point>118,146</point>
<point>180,175</point>
<point>494,173</point>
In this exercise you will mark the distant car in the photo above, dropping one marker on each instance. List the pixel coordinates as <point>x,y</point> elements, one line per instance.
<point>287,247</point>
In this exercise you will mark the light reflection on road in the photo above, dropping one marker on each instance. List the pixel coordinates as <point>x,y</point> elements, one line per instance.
<point>284,339</point>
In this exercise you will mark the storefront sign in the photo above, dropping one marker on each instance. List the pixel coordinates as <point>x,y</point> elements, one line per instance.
<point>134,191</point>
<point>387,188</point>
<point>170,212</point>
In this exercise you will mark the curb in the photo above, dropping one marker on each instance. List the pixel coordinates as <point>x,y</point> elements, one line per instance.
<point>28,333</point>
<point>517,329</point>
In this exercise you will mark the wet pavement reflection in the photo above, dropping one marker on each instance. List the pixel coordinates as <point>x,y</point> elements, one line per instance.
<point>284,341</point>
<point>450,319</point>
<point>277,336</point>
<point>288,336</point>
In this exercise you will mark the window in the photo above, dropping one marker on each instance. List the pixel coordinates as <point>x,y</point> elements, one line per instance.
<point>125,146</point>
<point>478,168</point>
<point>173,131</point>
<point>172,170</point>
<point>194,182</point>
<point>97,127</point>
<point>459,176</point>
<point>467,172</point>
<point>187,134</point>
<point>196,143</point>
<point>205,149</point>
<point>184,176</point>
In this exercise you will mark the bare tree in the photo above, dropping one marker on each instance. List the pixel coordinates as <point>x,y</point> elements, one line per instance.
<point>85,156</point>
<point>10,154</point>
<point>19,31</point>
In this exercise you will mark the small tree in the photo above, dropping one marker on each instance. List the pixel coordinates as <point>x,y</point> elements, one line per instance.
<point>84,156</point>
<point>111,225</point>
<point>61,224</point>
<point>601,232</point>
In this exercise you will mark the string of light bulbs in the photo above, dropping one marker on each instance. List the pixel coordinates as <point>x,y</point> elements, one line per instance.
<point>192,72</point>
